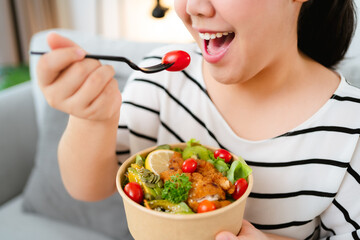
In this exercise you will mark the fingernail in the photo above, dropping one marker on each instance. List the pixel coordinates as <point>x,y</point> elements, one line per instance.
<point>80,53</point>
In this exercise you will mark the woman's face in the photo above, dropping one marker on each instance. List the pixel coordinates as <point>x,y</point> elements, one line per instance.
<point>241,38</point>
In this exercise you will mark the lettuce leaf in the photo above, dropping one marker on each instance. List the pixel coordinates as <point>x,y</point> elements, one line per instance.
<point>238,169</point>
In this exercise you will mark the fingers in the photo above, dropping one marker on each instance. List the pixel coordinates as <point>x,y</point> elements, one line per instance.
<point>246,224</point>
<point>95,84</point>
<point>51,64</point>
<point>80,87</point>
<point>106,104</point>
<point>65,52</point>
<point>247,232</point>
<point>95,98</point>
<point>56,41</point>
<point>247,228</point>
<point>69,81</point>
<point>226,236</point>
<point>92,88</point>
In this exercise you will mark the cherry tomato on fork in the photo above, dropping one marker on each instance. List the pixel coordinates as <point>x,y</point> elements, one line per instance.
<point>206,206</point>
<point>222,153</point>
<point>189,165</point>
<point>180,59</point>
<point>240,187</point>
<point>134,191</point>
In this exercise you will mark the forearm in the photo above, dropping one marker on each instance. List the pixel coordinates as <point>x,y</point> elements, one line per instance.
<point>87,158</point>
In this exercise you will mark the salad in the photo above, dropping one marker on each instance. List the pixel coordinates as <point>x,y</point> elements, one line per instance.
<point>186,181</point>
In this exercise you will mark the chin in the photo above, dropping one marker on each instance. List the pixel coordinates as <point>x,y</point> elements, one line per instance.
<point>225,79</point>
<point>225,76</point>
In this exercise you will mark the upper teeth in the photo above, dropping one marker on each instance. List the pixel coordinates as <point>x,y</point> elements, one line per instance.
<point>208,36</point>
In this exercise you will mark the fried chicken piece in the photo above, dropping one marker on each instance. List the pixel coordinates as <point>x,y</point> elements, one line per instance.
<point>208,170</point>
<point>207,182</point>
<point>203,188</point>
<point>176,161</point>
<point>175,165</point>
<point>166,175</point>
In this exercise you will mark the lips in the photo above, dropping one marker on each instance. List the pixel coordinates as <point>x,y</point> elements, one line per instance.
<point>216,45</point>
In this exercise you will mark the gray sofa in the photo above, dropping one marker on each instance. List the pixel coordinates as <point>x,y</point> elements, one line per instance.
<point>33,201</point>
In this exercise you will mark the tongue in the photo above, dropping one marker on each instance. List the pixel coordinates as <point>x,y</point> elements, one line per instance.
<point>217,45</point>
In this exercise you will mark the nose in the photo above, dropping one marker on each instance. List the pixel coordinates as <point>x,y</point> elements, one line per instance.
<point>200,8</point>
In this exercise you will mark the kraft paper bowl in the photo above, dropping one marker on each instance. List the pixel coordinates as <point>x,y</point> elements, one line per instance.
<point>146,224</point>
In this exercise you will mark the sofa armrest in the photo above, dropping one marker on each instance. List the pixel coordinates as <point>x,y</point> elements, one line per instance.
<point>18,139</point>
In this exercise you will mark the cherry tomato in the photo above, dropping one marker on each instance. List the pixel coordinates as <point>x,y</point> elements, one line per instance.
<point>240,187</point>
<point>180,59</point>
<point>206,206</point>
<point>189,165</point>
<point>222,153</point>
<point>134,191</point>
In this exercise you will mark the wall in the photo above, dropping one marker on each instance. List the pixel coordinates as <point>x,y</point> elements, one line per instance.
<point>8,53</point>
<point>141,26</point>
<point>80,15</point>
<point>130,19</point>
<point>111,18</point>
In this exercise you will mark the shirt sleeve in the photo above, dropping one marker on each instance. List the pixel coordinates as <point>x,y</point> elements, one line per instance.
<point>341,220</point>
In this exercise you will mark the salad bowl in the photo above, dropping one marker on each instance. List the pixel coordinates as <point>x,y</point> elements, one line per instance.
<point>145,224</point>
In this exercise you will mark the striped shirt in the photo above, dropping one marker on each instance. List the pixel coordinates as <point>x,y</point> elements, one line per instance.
<point>306,181</point>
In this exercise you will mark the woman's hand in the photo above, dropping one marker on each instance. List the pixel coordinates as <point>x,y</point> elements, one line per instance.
<point>249,232</point>
<point>76,85</point>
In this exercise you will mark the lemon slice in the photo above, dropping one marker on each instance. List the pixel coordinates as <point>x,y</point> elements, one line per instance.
<point>158,161</point>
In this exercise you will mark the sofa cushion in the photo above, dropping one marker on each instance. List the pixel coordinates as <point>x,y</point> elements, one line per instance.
<point>34,226</point>
<point>45,193</point>
<point>349,67</point>
<point>17,142</point>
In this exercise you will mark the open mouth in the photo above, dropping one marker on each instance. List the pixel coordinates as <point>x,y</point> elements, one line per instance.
<point>217,43</point>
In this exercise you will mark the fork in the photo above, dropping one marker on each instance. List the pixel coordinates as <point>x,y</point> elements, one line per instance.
<point>150,69</point>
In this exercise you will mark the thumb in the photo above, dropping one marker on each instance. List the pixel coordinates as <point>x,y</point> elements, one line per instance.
<point>226,236</point>
<point>56,41</point>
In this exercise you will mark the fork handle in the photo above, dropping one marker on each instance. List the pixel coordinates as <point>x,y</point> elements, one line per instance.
<point>101,57</point>
<point>113,58</point>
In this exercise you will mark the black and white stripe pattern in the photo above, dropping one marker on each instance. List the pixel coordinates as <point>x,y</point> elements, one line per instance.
<point>306,181</point>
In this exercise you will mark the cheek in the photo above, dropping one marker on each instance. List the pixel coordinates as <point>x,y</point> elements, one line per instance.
<point>180,9</point>
<point>239,9</point>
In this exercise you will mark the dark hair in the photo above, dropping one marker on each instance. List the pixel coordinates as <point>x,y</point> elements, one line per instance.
<point>325,29</point>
